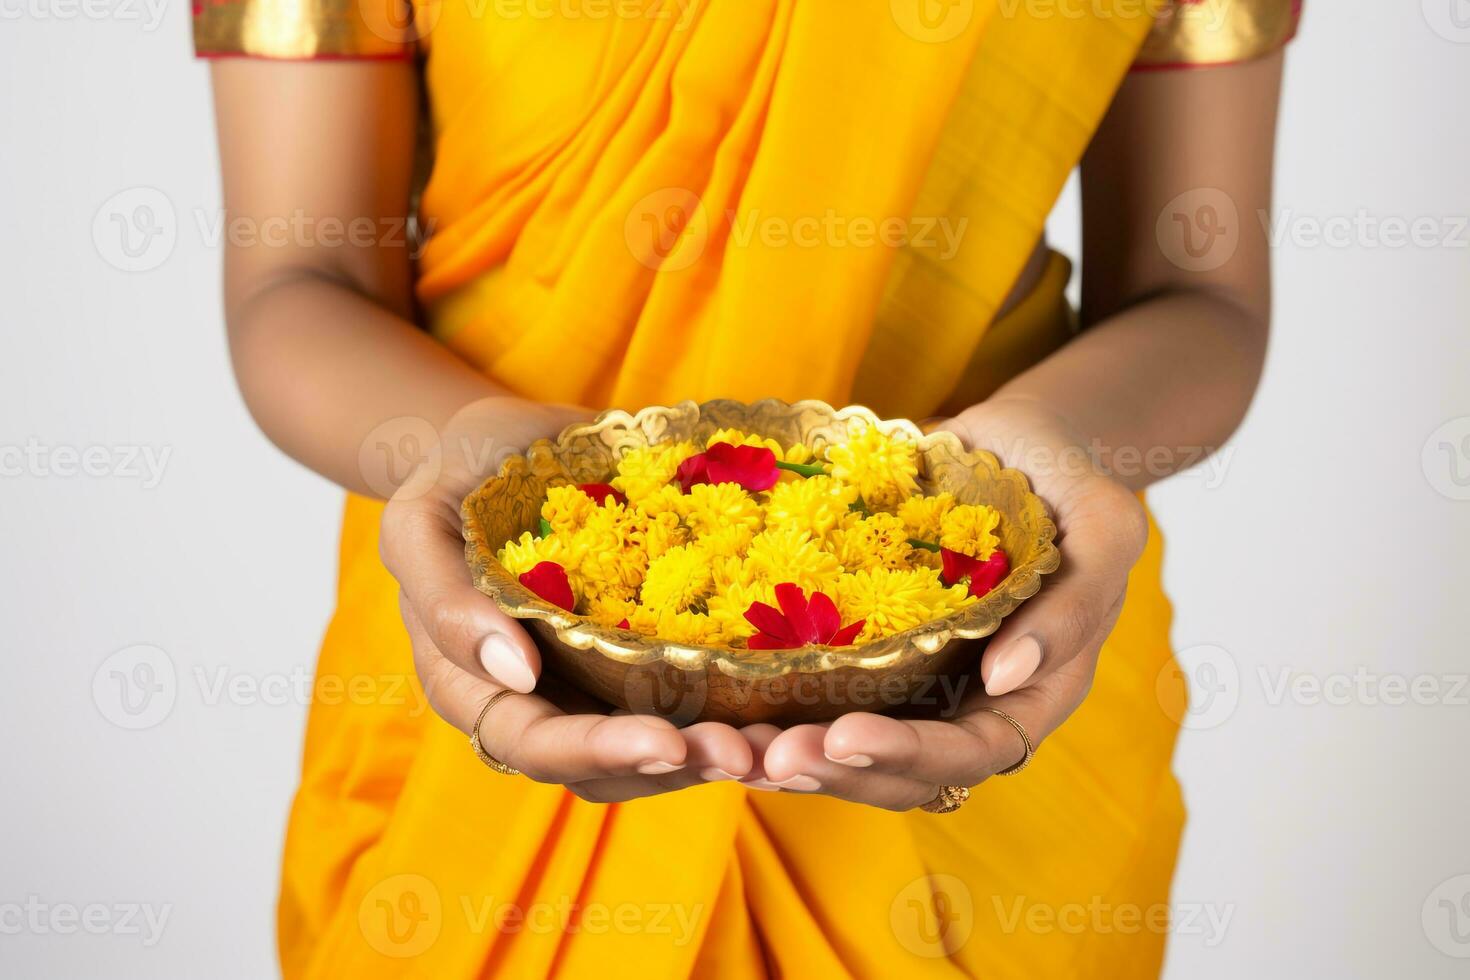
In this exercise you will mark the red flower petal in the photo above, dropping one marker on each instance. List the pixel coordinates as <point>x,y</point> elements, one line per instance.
<point>624,624</point>
<point>692,471</point>
<point>601,491</point>
<point>847,634</point>
<point>549,581</point>
<point>989,573</point>
<point>753,467</point>
<point>957,566</point>
<point>769,620</point>
<point>764,641</point>
<point>823,612</point>
<point>794,605</point>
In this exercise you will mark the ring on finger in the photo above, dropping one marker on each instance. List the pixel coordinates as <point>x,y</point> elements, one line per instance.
<point>479,748</point>
<point>1025,740</point>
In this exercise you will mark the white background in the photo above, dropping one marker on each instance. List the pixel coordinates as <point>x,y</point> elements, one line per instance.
<point>1329,828</point>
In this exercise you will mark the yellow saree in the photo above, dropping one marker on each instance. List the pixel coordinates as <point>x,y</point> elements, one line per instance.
<point>641,202</point>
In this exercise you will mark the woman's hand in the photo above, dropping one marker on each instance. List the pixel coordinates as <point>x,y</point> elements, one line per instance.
<point>1037,668</point>
<point>466,650</point>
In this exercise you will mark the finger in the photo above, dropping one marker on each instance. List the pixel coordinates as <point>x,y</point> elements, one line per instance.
<point>530,734</point>
<point>1101,535</point>
<point>962,752</point>
<point>795,760</point>
<point>716,753</point>
<point>423,547</point>
<point>758,737</point>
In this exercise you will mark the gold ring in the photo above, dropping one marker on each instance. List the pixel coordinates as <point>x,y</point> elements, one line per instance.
<point>1025,740</point>
<point>950,799</point>
<point>480,752</point>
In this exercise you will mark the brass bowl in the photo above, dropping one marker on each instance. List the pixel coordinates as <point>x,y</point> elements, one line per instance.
<point>923,668</point>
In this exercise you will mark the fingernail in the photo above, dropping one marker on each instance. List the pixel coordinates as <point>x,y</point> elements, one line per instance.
<point>804,783</point>
<point>655,767</point>
<point>764,785</point>
<point>856,759</point>
<point>712,774</point>
<point>1014,665</point>
<point>504,661</point>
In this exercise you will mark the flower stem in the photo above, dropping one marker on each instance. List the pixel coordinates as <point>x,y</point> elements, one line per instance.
<point>926,545</point>
<point>805,469</point>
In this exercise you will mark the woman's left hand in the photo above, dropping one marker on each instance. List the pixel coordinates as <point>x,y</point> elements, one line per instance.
<point>1037,668</point>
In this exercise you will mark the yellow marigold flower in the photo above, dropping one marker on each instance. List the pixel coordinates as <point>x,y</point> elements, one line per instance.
<point>877,541</point>
<point>677,579</point>
<point>566,509</point>
<point>711,507</point>
<point>668,499</point>
<point>734,437</point>
<point>525,553</point>
<point>790,555</point>
<point>609,610</point>
<point>891,601</point>
<point>656,534</point>
<point>727,541</point>
<point>921,515</point>
<point>816,504</point>
<point>676,627</point>
<point>970,530</point>
<point>727,607</point>
<point>602,558</point>
<point>881,466</point>
<point>730,571</point>
<point>643,471</point>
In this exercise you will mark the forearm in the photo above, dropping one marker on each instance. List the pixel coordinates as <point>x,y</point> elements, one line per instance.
<point>327,373</point>
<point>1153,388</point>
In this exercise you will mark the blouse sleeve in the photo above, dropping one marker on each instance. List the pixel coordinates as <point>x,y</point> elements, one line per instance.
<point>303,29</point>
<point>1207,33</point>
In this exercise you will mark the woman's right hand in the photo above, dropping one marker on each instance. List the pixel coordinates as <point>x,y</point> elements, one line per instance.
<point>466,650</point>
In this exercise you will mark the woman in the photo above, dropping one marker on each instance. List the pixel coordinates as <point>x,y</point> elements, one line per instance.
<point>620,211</point>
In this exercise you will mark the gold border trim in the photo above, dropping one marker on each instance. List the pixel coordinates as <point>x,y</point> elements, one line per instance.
<point>303,29</point>
<point>1218,32</point>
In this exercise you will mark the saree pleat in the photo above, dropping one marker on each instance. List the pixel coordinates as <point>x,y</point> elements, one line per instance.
<point>602,209</point>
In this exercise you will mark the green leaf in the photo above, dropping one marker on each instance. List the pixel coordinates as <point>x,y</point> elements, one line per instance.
<point>926,545</point>
<point>543,529</point>
<point>805,469</point>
